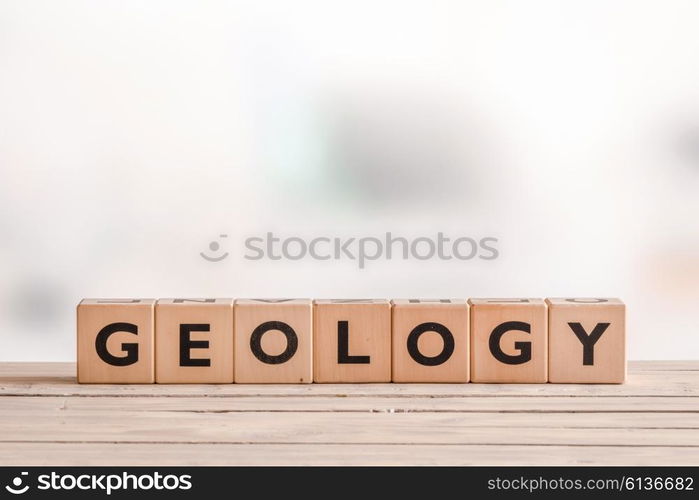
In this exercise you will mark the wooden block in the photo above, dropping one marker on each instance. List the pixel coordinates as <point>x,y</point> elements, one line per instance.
<point>508,340</point>
<point>194,341</point>
<point>587,340</point>
<point>273,341</point>
<point>115,341</point>
<point>352,340</point>
<point>430,340</point>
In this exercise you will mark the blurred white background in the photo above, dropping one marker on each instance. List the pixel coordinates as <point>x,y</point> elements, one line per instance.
<point>134,133</point>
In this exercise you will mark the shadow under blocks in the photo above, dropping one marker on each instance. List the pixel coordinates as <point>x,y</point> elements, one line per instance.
<point>300,341</point>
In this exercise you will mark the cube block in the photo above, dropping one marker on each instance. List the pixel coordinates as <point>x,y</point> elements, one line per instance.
<point>194,341</point>
<point>352,339</point>
<point>430,340</point>
<point>115,341</point>
<point>273,341</point>
<point>509,341</point>
<point>587,340</point>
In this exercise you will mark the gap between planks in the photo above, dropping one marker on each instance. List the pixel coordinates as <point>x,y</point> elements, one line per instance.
<point>341,443</point>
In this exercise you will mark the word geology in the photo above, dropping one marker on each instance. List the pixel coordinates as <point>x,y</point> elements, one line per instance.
<point>564,340</point>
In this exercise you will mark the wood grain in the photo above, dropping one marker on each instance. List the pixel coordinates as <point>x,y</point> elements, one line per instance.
<point>367,330</point>
<point>487,315</point>
<point>211,338</point>
<point>47,418</point>
<point>432,321</point>
<point>605,361</point>
<point>134,348</point>
<point>294,314</point>
<point>122,454</point>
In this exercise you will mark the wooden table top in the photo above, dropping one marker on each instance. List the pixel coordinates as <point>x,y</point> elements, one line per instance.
<point>46,418</point>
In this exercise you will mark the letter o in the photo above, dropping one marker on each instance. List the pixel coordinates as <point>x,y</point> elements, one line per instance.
<point>447,339</point>
<point>145,482</point>
<point>174,482</point>
<point>430,245</point>
<point>458,254</point>
<point>292,342</point>
<point>302,248</point>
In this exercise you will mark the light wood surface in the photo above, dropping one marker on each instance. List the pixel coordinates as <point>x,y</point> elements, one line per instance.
<point>602,323</point>
<point>430,321</point>
<point>514,343</point>
<point>293,315</point>
<point>207,325</point>
<point>367,334</point>
<point>47,418</point>
<point>126,327</point>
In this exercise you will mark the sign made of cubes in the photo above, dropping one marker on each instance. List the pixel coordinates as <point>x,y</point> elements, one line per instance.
<point>249,341</point>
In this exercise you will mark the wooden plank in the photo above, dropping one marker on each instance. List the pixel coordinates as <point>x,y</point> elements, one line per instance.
<point>505,404</point>
<point>356,428</point>
<point>88,454</point>
<point>47,418</point>
<point>58,379</point>
<point>58,417</point>
<point>647,383</point>
<point>679,365</point>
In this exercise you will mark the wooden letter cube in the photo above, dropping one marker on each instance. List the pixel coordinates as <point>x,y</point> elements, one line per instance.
<point>273,341</point>
<point>194,341</point>
<point>508,340</point>
<point>587,340</point>
<point>115,341</point>
<point>352,340</point>
<point>430,340</point>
